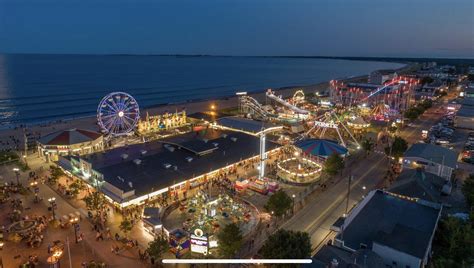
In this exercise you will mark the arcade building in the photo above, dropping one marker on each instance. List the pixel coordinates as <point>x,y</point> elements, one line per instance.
<point>133,174</point>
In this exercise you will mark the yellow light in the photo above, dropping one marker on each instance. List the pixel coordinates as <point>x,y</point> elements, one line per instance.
<point>213,107</point>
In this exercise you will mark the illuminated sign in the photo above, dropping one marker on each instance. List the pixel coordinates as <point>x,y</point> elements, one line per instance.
<point>325,124</point>
<point>199,242</point>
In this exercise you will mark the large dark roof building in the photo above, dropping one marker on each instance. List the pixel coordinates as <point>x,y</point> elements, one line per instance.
<point>131,174</point>
<point>397,228</point>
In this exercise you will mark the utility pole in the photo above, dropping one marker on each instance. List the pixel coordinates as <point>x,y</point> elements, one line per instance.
<point>348,193</point>
<point>69,252</point>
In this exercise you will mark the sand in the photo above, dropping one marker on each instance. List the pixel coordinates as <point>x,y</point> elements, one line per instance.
<point>16,134</point>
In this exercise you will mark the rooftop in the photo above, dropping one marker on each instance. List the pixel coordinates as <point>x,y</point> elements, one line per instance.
<point>399,223</point>
<point>433,153</point>
<point>466,111</point>
<point>163,163</point>
<point>69,137</point>
<point>419,184</point>
<point>345,259</point>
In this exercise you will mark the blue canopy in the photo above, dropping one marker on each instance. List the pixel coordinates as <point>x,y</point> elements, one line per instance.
<point>321,147</point>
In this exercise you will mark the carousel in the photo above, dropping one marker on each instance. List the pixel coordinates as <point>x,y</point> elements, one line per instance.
<point>299,169</point>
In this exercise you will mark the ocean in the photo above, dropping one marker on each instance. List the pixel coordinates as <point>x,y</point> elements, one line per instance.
<point>41,88</point>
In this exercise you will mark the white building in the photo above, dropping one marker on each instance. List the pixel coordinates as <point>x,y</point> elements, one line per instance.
<point>379,77</point>
<point>431,158</point>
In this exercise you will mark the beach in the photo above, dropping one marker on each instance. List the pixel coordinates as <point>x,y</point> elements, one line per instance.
<point>15,134</point>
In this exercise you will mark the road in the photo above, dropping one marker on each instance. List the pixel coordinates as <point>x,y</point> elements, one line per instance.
<point>324,208</point>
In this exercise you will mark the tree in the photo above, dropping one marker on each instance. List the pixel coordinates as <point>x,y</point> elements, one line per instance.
<point>157,247</point>
<point>398,147</point>
<point>230,240</point>
<point>75,187</point>
<point>367,145</point>
<point>55,174</point>
<point>333,164</point>
<point>426,80</point>
<point>286,244</point>
<point>126,226</point>
<point>453,244</point>
<point>94,201</point>
<point>468,190</point>
<point>426,104</point>
<point>279,203</point>
<point>411,113</point>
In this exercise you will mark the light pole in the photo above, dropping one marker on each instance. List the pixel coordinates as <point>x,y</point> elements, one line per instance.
<point>294,196</point>
<point>52,202</point>
<point>25,160</point>
<point>17,173</point>
<point>348,193</point>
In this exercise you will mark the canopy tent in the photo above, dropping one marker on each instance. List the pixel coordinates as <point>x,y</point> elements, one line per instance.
<point>321,147</point>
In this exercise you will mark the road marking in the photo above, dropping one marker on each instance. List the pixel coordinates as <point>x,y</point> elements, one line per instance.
<point>338,200</point>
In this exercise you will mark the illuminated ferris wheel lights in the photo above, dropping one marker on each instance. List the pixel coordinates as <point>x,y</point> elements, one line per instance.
<point>118,113</point>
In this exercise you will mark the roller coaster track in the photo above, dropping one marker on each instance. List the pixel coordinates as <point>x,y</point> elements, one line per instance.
<point>285,103</point>
<point>250,104</point>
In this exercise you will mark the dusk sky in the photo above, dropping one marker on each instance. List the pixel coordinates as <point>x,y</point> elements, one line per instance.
<point>411,28</point>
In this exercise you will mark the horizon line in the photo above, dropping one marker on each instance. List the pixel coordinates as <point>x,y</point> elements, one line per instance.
<point>243,56</point>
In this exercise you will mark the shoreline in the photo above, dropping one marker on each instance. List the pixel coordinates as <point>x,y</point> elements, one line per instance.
<point>15,133</point>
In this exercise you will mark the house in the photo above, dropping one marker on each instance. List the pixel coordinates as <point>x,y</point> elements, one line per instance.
<point>431,158</point>
<point>399,229</point>
<point>421,185</point>
<point>379,77</point>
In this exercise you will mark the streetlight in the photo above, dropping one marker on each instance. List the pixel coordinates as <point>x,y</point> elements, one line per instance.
<point>17,173</point>
<point>53,205</point>
<point>294,196</point>
<point>363,187</point>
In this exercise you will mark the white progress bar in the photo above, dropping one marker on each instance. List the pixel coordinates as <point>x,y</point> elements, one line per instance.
<point>236,261</point>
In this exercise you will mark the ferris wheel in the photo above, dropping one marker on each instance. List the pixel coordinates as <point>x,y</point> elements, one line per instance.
<point>118,113</point>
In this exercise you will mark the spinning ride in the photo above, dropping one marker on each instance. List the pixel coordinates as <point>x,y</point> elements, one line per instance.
<point>118,113</point>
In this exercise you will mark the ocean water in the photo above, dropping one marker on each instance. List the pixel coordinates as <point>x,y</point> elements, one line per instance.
<point>41,88</point>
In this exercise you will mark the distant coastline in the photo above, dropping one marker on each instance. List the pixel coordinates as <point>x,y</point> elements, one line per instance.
<point>404,60</point>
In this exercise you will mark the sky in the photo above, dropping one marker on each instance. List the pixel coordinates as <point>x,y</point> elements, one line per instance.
<point>390,28</point>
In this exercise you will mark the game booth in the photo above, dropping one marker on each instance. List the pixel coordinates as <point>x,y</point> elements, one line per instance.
<point>179,242</point>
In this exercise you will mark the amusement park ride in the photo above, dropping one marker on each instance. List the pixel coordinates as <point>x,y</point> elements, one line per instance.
<point>386,101</point>
<point>330,120</point>
<point>118,114</point>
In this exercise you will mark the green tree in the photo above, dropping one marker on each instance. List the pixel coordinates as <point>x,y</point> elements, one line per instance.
<point>95,201</point>
<point>55,173</point>
<point>279,203</point>
<point>367,145</point>
<point>75,187</point>
<point>126,226</point>
<point>286,244</point>
<point>398,147</point>
<point>333,164</point>
<point>411,114</point>
<point>157,247</point>
<point>453,244</point>
<point>468,190</point>
<point>229,240</point>
<point>426,80</point>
